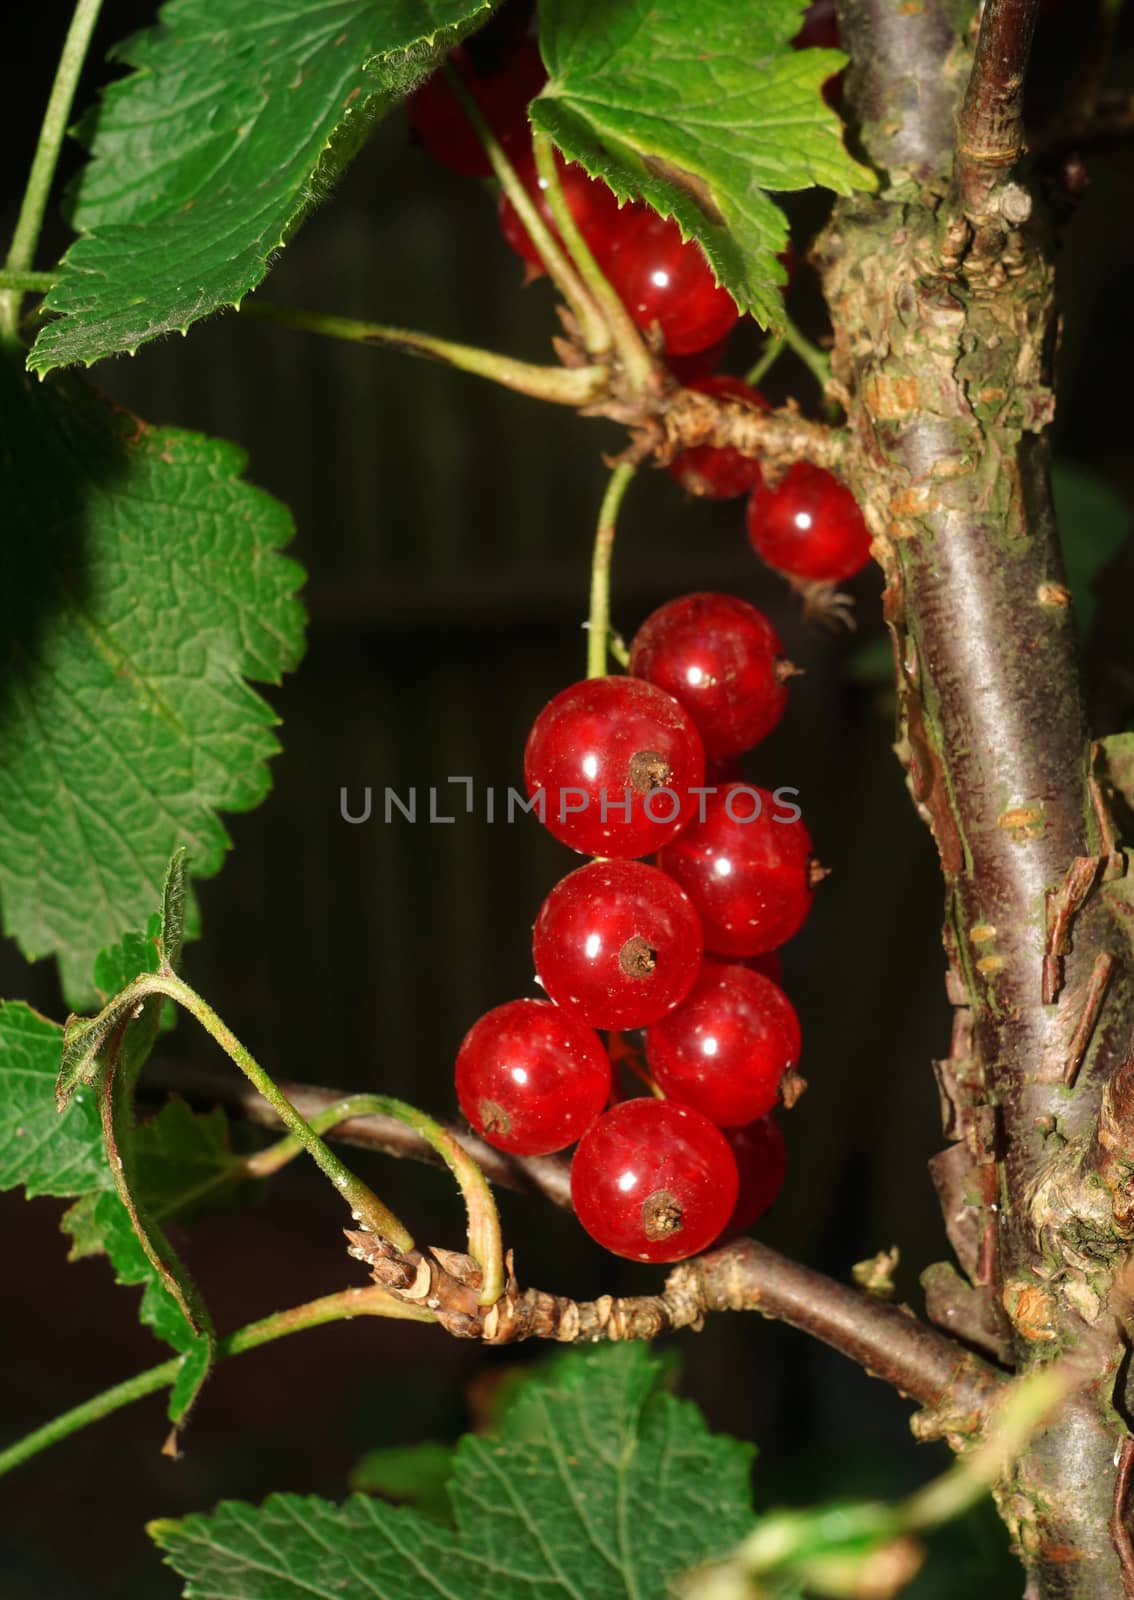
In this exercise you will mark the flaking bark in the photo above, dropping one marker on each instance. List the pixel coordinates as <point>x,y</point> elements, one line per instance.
<point>941,294</point>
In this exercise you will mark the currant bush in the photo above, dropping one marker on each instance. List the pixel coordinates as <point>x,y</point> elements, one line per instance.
<point>746,868</point>
<point>616,759</point>
<point>722,659</point>
<point>720,474</point>
<point>726,1047</point>
<point>653,1181</point>
<point>531,1078</point>
<point>590,201</point>
<point>502,93</point>
<point>665,279</point>
<point>809,526</point>
<point>617,944</point>
<point>761,1166</point>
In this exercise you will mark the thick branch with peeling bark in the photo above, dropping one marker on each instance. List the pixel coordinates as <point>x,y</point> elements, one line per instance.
<point>943,345</point>
<point>953,1385</point>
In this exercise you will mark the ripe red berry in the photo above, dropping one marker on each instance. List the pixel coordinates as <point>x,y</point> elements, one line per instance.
<point>746,868</point>
<point>809,526</point>
<point>615,759</point>
<point>653,1181</point>
<point>720,474</point>
<point>664,279</point>
<point>590,201</point>
<point>617,944</point>
<point>724,1049</point>
<point>761,1165</point>
<point>531,1078</point>
<point>722,659</point>
<point>701,364</point>
<point>502,95</point>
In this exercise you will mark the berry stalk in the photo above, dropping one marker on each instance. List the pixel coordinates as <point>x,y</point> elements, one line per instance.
<point>636,360</point>
<point>598,626</point>
<point>21,253</point>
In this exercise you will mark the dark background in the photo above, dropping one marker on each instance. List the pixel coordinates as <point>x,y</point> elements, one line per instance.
<point>446,528</point>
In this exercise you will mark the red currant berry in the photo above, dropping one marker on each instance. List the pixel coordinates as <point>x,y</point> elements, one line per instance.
<point>720,474</point>
<point>665,279</point>
<point>722,659</point>
<point>701,364</point>
<point>503,95</point>
<point>653,1181</point>
<point>531,1078</point>
<point>615,759</point>
<point>769,964</point>
<point>724,1049</point>
<point>761,1165</point>
<point>809,526</point>
<point>746,868</point>
<point>590,201</point>
<point>617,944</point>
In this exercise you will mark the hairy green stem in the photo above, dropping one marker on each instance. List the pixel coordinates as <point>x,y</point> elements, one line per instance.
<point>773,350</point>
<point>574,386</point>
<point>42,174</point>
<point>593,330</point>
<point>814,359</point>
<point>371,1301</point>
<point>484,1241</point>
<point>637,362</point>
<point>29,282</point>
<point>598,634</point>
<point>365,1205</point>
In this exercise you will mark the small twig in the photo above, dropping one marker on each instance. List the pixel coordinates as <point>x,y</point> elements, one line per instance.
<point>990,131</point>
<point>637,362</point>
<point>1062,905</point>
<point>347,1303</point>
<point>544,1175</point>
<point>42,175</point>
<point>598,625</point>
<point>772,352</point>
<point>777,438</point>
<point>1092,1005</point>
<point>565,386</point>
<point>1119,1532</point>
<point>593,330</point>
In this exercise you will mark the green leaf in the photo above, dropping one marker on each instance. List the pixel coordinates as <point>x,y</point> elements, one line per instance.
<point>205,159</point>
<point>700,111</point>
<point>140,588</point>
<point>45,1152</point>
<point>416,1475</point>
<point>1093,521</point>
<point>183,1161</point>
<point>597,1485</point>
<point>159,1311</point>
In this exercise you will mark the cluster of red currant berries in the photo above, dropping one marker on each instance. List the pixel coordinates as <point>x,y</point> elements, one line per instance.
<point>681,950</point>
<point>807,525</point>
<point>680,953</point>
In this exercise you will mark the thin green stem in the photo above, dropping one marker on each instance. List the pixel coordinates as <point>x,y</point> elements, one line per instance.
<point>371,1301</point>
<point>42,174</point>
<point>364,1204</point>
<point>772,352</point>
<point>574,386</point>
<point>28,282</point>
<point>484,1241</point>
<point>815,360</point>
<point>593,331</point>
<point>598,628</point>
<point>637,362</point>
<point>485,1245</point>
